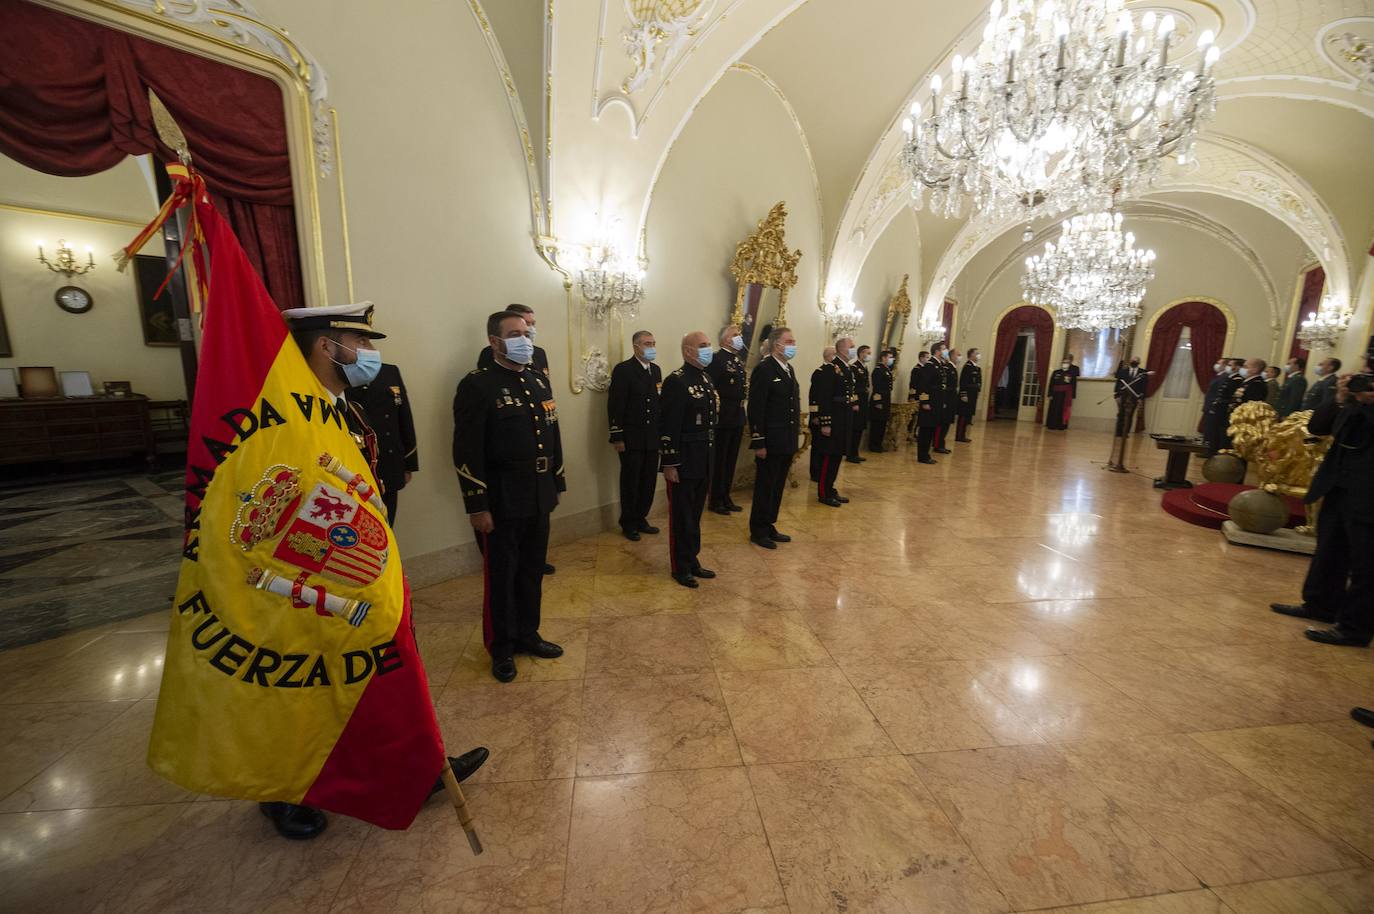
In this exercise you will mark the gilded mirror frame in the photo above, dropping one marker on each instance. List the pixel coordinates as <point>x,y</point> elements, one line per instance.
<point>763,259</point>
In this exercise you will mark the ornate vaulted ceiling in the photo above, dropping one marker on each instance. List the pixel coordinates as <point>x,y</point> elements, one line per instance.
<point>615,81</point>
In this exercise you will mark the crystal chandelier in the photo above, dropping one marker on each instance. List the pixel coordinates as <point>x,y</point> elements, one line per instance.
<point>931,330</point>
<point>844,319</point>
<point>610,282</point>
<point>1066,106</point>
<point>1095,279</point>
<point>1324,327</point>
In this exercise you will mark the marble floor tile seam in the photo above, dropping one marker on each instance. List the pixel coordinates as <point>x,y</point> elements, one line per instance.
<point>68,541</point>
<point>1222,907</point>
<point>29,513</point>
<point>93,586</point>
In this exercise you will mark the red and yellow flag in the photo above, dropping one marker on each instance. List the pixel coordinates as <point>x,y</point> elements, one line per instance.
<point>291,671</point>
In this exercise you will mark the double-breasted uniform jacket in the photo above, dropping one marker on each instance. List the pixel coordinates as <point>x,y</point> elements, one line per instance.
<point>970,386</point>
<point>687,422</point>
<point>951,391</point>
<point>732,386</point>
<point>861,387</point>
<point>882,386</point>
<point>387,407</point>
<point>1248,390</point>
<point>506,444</point>
<point>832,398</point>
<point>913,383</point>
<point>774,407</point>
<point>632,404</point>
<point>932,394</point>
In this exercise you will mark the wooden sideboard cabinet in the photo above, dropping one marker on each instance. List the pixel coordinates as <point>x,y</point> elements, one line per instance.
<point>77,428</point>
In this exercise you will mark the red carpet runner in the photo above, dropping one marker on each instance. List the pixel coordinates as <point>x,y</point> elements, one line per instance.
<point>1205,505</point>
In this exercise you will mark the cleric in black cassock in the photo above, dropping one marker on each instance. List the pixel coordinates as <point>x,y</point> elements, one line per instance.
<point>1061,398</point>
<point>732,386</point>
<point>687,422</point>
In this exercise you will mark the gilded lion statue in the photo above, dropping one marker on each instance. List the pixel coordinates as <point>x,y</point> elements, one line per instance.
<point>1250,424</point>
<point>1283,452</point>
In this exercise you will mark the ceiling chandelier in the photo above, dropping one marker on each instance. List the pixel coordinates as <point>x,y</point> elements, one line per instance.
<point>1095,279</point>
<point>842,316</point>
<point>1071,105</point>
<point>1325,326</point>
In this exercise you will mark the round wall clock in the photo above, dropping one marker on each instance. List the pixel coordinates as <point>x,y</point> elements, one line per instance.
<point>73,299</point>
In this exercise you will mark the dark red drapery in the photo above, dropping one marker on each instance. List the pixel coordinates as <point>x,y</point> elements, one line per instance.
<point>1026,317</point>
<point>1313,283</point>
<point>1207,333</point>
<point>74,101</point>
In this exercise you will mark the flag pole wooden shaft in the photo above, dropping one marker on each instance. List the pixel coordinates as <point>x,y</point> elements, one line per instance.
<point>460,806</point>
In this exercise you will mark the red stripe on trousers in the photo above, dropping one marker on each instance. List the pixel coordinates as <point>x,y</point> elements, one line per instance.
<point>825,473</point>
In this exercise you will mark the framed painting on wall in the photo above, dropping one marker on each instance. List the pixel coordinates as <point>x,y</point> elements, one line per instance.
<point>156,315</point>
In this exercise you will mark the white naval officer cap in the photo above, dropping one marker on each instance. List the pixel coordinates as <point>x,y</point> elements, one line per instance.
<point>356,317</point>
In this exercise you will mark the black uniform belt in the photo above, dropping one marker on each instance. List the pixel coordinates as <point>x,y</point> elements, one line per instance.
<point>534,465</point>
<point>697,436</point>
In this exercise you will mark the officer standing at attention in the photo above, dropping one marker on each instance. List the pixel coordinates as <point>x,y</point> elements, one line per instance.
<point>832,398</point>
<point>774,425</point>
<point>859,368</point>
<point>970,386</point>
<point>540,360</point>
<point>921,358</point>
<point>930,394</point>
<point>951,400</point>
<point>732,386</point>
<point>688,427</point>
<point>509,458</point>
<point>337,344</point>
<point>385,402</point>
<point>632,404</point>
<point>880,402</point>
<point>813,420</point>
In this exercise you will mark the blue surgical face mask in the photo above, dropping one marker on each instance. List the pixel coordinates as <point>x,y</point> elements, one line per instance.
<point>789,352</point>
<point>1319,371</point>
<point>704,354</point>
<point>533,331</point>
<point>1244,372</point>
<point>650,353</point>
<point>519,349</point>
<point>737,343</point>
<point>363,369</point>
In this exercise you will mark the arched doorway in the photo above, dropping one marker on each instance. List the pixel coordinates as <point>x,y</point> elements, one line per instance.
<point>1020,364</point>
<point>1184,339</point>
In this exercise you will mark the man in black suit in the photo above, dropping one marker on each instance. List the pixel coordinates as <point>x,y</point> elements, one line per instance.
<point>732,386</point>
<point>774,424</point>
<point>688,424</point>
<point>859,417</point>
<point>1339,588</point>
<point>833,406</point>
<point>1130,390</point>
<point>632,408</point>
<point>1323,390</point>
<point>970,385</point>
<point>387,407</point>
<point>880,404</point>
<point>928,390</point>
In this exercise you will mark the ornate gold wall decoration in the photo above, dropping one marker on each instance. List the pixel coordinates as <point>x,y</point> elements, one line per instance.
<point>898,315</point>
<point>1249,429</point>
<point>763,258</point>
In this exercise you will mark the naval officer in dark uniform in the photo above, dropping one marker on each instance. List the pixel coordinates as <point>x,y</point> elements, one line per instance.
<point>337,342</point>
<point>632,405</point>
<point>539,361</point>
<point>833,398</point>
<point>931,394</point>
<point>732,386</point>
<point>387,406</point>
<point>859,417</point>
<point>970,386</point>
<point>880,402</point>
<point>774,425</point>
<point>688,428</point>
<point>949,403</point>
<point>509,457</point>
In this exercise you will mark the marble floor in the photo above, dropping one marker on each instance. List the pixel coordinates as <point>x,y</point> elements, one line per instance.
<point>1008,682</point>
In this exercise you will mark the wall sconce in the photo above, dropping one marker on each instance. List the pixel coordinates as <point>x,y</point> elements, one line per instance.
<point>843,318</point>
<point>610,281</point>
<point>1325,326</point>
<point>65,262</point>
<point>931,331</point>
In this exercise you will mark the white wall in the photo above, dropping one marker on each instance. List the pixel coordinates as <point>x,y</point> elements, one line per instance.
<point>897,252</point>
<point>106,341</point>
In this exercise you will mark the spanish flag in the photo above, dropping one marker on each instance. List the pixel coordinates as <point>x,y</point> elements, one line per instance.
<point>291,671</point>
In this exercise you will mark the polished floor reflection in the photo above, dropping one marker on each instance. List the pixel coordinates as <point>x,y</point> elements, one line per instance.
<point>1008,682</point>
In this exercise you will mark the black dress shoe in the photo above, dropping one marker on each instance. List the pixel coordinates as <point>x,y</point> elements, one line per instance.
<point>503,668</point>
<point>700,572</point>
<point>734,507</point>
<point>943,450</point>
<point>548,569</point>
<point>924,460</point>
<point>852,460</point>
<point>298,823</point>
<point>832,501</point>
<point>685,579</point>
<point>763,541</point>
<point>1338,635</point>
<point>964,440</point>
<point>648,528</point>
<point>464,767</point>
<point>841,499</point>
<point>777,537</point>
<point>1363,716</point>
<point>631,535</point>
<point>536,646</point>
<point>720,509</point>
<point>1302,612</point>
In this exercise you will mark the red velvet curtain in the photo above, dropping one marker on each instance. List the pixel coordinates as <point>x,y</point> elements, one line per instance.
<point>74,101</point>
<point>1313,283</point>
<point>1026,317</point>
<point>1207,334</point>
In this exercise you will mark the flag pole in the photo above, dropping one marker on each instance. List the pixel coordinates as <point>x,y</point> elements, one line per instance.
<point>460,806</point>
